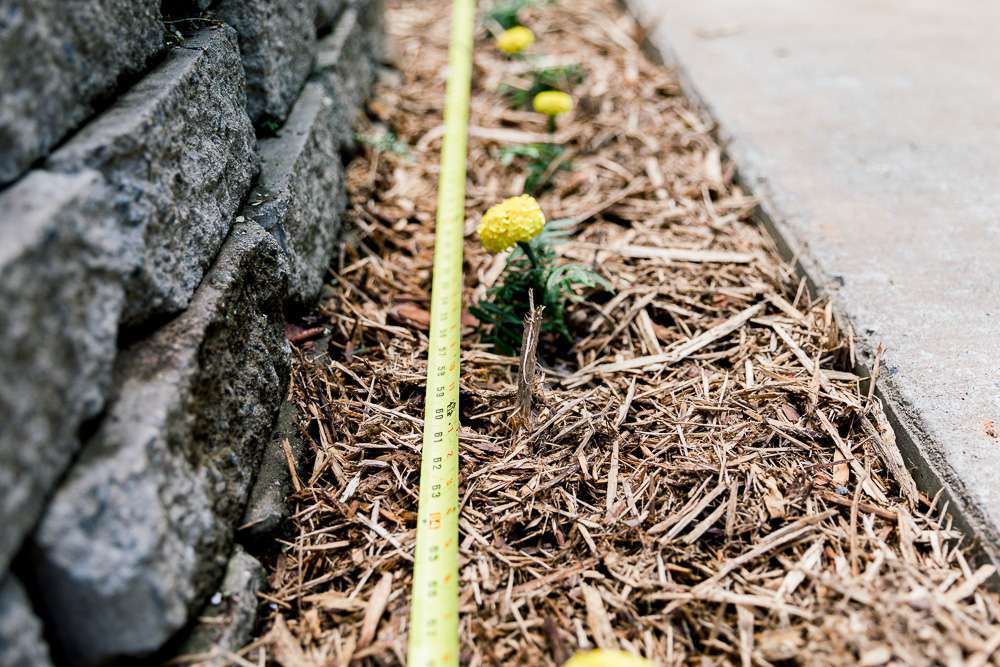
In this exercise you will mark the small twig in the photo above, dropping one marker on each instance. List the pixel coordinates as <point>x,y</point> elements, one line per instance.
<point>529,362</point>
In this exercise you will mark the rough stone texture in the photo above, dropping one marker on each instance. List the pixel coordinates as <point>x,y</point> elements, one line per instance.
<point>136,538</point>
<point>268,507</point>
<point>870,129</point>
<point>372,16</point>
<point>345,68</point>
<point>61,270</point>
<point>277,40</point>
<point>180,152</point>
<point>21,641</point>
<point>127,238</point>
<point>300,194</point>
<point>59,58</point>
<point>327,11</point>
<point>227,620</point>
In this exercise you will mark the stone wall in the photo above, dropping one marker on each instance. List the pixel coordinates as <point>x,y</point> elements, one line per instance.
<point>171,187</point>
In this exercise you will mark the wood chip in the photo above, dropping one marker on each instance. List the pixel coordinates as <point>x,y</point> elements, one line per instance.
<point>374,610</point>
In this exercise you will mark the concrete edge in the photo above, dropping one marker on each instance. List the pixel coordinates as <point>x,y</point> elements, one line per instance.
<point>931,471</point>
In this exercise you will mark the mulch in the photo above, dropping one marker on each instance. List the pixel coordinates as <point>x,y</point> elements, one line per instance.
<point>701,478</point>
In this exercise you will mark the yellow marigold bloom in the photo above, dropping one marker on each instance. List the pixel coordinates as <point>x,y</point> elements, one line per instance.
<point>511,221</point>
<point>552,102</point>
<point>516,39</point>
<point>602,658</point>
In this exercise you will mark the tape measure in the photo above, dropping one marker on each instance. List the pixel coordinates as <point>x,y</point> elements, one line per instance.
<point>434,603</point>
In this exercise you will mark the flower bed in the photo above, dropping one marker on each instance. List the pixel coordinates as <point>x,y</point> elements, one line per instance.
<point>697,475</point>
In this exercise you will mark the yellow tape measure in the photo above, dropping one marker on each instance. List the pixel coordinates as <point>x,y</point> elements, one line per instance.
<point>434,603</point>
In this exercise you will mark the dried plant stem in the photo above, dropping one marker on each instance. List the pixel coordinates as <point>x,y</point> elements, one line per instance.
<point>528,364</point>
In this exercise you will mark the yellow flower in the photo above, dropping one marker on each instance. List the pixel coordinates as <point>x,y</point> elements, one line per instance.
<point>511,221</point>
<point>552,102</point>
<point>516,39</point>
<point>602,658</point>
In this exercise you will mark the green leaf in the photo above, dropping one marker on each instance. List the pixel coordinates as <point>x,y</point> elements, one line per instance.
<point>539,161</point>
<point>505,12</point>
<point>555,285</point>
<point>559,77</point>
<point>385,142</point>
<point>557,231</point>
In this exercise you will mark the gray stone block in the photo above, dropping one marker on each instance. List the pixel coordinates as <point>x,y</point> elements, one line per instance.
<point>300,194</point>
<point>268,505</point>
<point>345,68</point>
<point>21,641</point>
<point>180,153</point>
<point>57,59</point>
<point>62,262</point>
<point>372,16</point>
<point>277,40</point>
<point>227,621</point>
<point>135,540</point>
<point>327,12</point>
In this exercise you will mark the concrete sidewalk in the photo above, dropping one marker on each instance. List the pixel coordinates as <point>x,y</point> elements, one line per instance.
<point>872,130</point>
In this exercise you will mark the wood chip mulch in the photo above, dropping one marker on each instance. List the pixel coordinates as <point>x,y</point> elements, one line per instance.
<point>701,480</point>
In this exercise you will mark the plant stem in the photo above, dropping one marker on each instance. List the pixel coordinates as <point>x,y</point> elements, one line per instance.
<point>530,252</point>
<point>552,124</point>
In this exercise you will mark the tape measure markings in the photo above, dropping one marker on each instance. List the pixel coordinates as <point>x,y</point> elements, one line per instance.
<point>433,634</point>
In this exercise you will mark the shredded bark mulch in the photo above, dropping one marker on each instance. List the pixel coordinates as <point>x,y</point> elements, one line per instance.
<point>700,480</point>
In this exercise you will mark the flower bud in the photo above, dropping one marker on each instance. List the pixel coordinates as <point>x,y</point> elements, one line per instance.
<point>513,220</point>
<point>516,39</point>
<point>552,102</point>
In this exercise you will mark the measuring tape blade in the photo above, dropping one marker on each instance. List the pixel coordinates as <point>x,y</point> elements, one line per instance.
<point>434,603</point>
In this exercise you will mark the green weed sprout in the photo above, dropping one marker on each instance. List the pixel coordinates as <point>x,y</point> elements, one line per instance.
<point>386,142</point>
<point>543,162</point>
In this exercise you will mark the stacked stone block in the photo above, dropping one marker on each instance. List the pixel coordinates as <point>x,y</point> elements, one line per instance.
<point>59,61</point>
<point>137,536</point>
<point>166,208</point>
<point>327,12</point>
<point>20,629</point>
<point>347,83</point>
<point>180,153</point>
<point>276,40</point>
<point>62,269</point>
<point>300,194</point>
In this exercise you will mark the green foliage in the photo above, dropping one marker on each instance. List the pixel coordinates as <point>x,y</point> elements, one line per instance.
<point>560,77</point>
<point>387,142</point>
<point>556,231</point>
<point>505,12</point>
<point>555,286</point>
<point>540,158</point>
<point>270,127</point>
